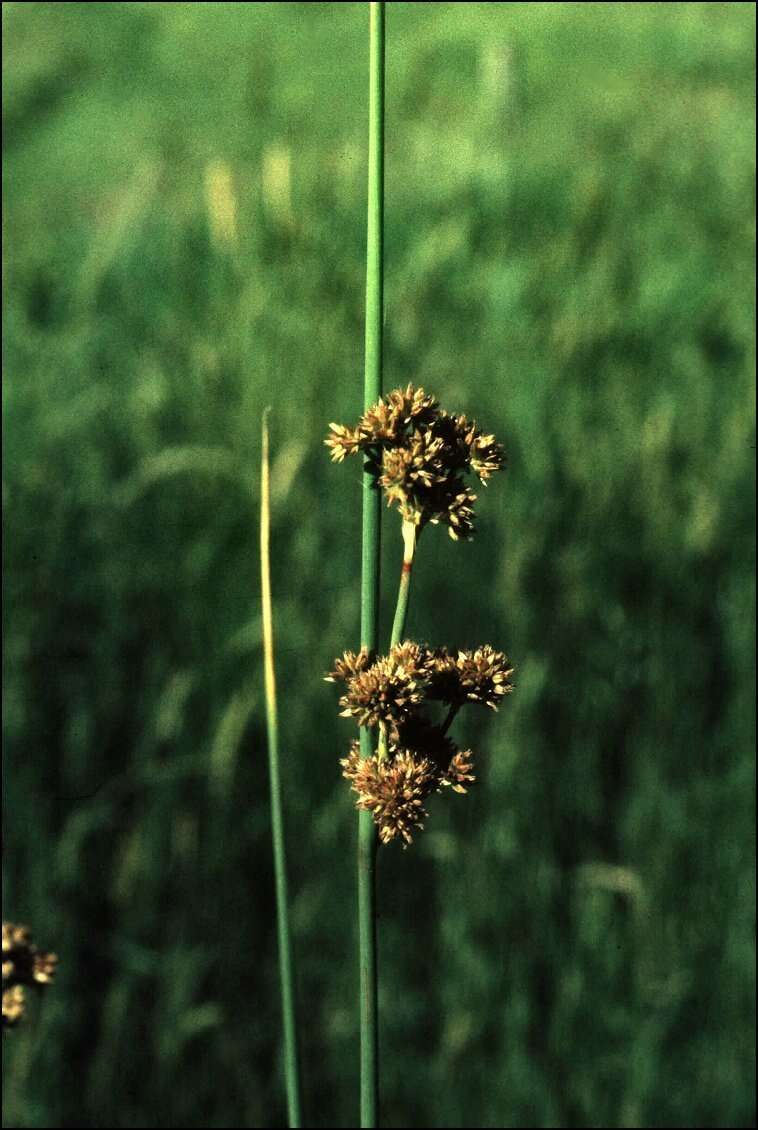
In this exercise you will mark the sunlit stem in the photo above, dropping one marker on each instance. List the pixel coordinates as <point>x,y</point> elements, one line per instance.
<point>286,979</point>
<point>401,608</point>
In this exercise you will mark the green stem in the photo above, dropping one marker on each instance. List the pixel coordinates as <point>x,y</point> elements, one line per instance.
<point>454,708</point>
<point>367,840</point>
<point>291,1067</point>
<point>401,608</point>
<point>370,557</point>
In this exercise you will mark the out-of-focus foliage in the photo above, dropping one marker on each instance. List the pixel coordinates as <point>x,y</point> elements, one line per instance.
<point>569,259</point>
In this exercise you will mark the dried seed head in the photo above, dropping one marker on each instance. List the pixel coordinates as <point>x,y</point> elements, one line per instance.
<point>391,419</point>
<point>458,772</point>
<point>389,689</point>
<point>342,442</point>
<point>392,790</point>
<point>45,965</point>
<point>481,676</point>
<point>486,457</point>
<point>484,675</point>
<point>13,1005</point>
<point>418,455</point>
<point>348,665</point>
<point>23,964</point>
<point>417,756</point>
<point>14,938</point>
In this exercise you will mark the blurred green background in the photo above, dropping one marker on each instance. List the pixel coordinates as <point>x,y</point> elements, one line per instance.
<point>570,235</point>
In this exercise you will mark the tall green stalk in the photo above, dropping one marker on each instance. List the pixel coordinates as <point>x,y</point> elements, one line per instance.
<point>372,391</point>
<point>291,1067</point>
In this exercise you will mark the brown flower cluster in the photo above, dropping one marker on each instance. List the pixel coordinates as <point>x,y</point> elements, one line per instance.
<point>392,790</point>
<point>390,689</point>
<point>23,965</point>
<point>416,756</point>
<point>419,455</point>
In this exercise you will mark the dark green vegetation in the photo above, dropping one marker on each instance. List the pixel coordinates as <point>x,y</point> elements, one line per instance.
<point>569,259</point>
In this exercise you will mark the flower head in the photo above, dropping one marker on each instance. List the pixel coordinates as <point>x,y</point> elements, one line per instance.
<point>388,689</point>
<point>458,773</point>
<point>481,676</point>
<point>23,965</point>
<point>348,666</point>
<point>417,757</point>
<point>13,1005</point>
<point>392,790</point>
<point>419,456</point>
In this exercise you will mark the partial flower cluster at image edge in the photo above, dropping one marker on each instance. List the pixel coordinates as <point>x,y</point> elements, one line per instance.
<point>24,966</point>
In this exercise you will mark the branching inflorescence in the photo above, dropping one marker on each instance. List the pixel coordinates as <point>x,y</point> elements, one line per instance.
<point>391,693</point>
<point>419,456</point>
<point>23,965</point>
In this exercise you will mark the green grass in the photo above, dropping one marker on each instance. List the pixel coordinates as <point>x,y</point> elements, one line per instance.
<point>569,243</point>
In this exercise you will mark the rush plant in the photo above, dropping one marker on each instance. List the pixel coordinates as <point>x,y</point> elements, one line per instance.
<point>421,458</point>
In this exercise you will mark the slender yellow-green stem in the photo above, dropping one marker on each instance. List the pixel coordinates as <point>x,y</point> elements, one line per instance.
<point>401,608</point>
<point>291,1066</point>
<point>372,390</point>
